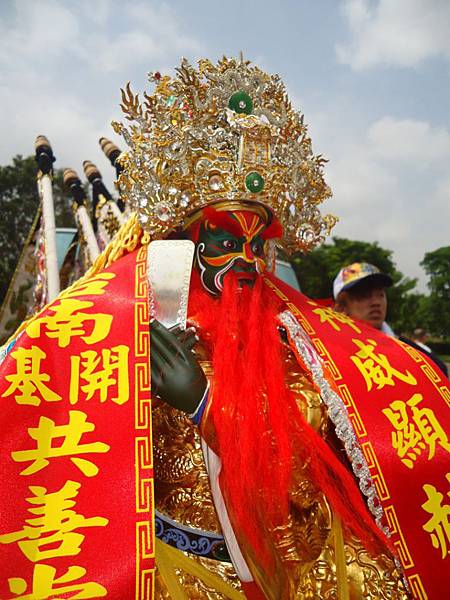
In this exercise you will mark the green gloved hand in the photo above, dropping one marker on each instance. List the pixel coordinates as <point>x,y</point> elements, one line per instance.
<point>177,378</point>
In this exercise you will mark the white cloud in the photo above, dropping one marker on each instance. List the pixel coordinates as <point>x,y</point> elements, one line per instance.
<point>154,34</point>
<point>400,33</point>
<point>33,39</point>
<point>367,196</point>
<point>409,140</point>
<point>62,64</point>
<point>42,34</point>
<point>391,185</point>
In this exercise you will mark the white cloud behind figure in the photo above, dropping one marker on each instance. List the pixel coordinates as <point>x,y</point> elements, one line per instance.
<point>370,76</point>
<point>62,65</point>
<point>400,33</point>
<point>407,140</point>
<point>393,186</point>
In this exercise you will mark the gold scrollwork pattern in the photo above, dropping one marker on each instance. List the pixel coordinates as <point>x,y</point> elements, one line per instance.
<point>145,578</point>
<point>417,589</point>
<point>325,356</point>
<point>432,374</point>
<point>375,471</point>
<point>400,544</point>
<point>144,485</point>
<point>145,550</point>
<point>353,412</point>
<point>142,338</point>
<point>143,407</point>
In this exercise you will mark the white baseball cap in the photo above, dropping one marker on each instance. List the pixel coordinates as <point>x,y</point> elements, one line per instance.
<point>355,273</point>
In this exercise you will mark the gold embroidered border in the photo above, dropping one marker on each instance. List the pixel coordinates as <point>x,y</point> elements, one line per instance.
<point>400,544</point>
<point>353,412</point>
<point>375,471</point>
<point>417,588</point>
<point>144,491</point>
<point>443,390</point>
<point>141,318</point>
<point>432,374</point>
<point>145,578</point>
<point>140,290</point>
<point>306,325</point>
<point>301,318</point>
<point>292,307</point>
<point>413,353</point>
<point>325,355</point>
<point>142,392</point>
<point>144,485</point>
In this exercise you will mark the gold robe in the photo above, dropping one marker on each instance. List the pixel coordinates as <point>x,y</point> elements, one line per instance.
<point>317,559</point>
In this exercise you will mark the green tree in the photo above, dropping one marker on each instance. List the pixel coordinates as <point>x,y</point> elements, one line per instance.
<point>317,270</point>
<point>19,201</point>
<point>413,312</point>
<point>437,266</point>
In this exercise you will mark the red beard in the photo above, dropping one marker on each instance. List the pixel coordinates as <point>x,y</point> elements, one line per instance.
<point>257,423</point>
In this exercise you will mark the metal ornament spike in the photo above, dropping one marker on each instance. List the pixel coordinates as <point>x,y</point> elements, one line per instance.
<point>169,274</point>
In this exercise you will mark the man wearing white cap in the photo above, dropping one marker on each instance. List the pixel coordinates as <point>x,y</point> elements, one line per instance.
<point>359,291</point>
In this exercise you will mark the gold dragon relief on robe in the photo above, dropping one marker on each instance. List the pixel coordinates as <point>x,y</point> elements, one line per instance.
<point>305,545</point>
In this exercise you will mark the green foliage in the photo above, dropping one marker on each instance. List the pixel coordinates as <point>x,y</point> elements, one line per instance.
<point>317,270</point>
<point>414,310</point>
<point>437,267</point>
<point>19,201</point>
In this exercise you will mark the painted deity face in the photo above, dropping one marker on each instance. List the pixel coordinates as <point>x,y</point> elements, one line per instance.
<point>232,243</point>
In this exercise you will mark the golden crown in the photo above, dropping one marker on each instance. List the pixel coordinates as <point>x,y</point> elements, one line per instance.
<point>221,132</point>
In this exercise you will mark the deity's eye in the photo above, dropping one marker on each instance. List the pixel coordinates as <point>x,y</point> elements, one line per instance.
<point>229,244</point>
<point>257,248</point>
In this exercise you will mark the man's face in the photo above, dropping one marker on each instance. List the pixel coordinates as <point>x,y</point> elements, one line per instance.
<point>234,245</point>
<point>365,302</point>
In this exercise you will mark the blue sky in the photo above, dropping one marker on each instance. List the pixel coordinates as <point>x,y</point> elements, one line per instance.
<point>371,76</point>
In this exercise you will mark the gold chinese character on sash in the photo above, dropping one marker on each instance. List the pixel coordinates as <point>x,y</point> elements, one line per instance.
<point>47,432</point>
<point>439,525</point>
<point>47,585</point>
<point>52,533</point>
<point>28,381</point>
<point>68,320</point>
<point>330,316</point>
<point>376,368</point>
<point>417,429</point>
<point>104,374</point>
<point>94,286</point>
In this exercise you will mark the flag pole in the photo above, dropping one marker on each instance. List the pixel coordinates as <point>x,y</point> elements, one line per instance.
<point>45,160</point>
<point>112,153</point>
<point>84,223</point>
<point>107,217</point>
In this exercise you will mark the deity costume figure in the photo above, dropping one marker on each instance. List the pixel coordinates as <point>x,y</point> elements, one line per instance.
<point>271,450</point>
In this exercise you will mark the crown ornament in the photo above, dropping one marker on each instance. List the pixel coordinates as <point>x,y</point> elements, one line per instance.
<point>221,132</point>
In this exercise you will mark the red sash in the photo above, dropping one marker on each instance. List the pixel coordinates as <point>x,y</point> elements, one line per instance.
<point>76,498</point>
<point>398,404</point>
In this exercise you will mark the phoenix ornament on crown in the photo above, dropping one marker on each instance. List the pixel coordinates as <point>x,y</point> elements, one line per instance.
<point>222,132</point>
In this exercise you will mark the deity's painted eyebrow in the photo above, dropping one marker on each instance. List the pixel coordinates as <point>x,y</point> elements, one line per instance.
<point>222,220</point>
